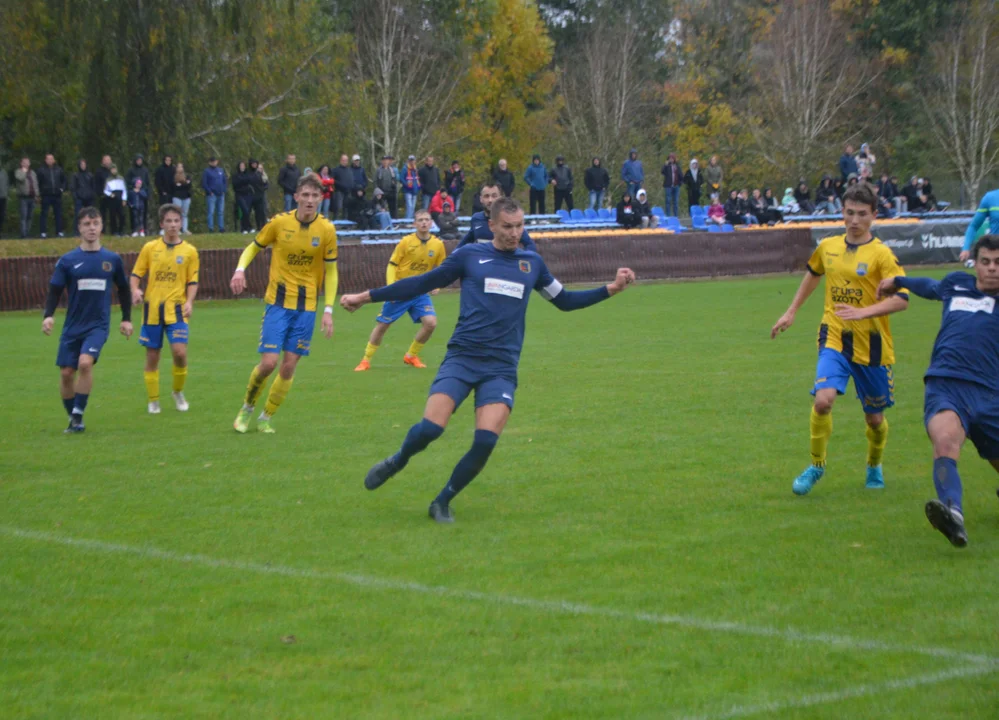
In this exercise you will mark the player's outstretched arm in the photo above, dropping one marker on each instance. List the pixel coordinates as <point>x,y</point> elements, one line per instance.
<point>449,271</point>
<point>567,300</point>
<point>805,289</point>
<point>927,288</point>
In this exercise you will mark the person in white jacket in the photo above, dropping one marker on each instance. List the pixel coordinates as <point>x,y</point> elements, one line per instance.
<point>115,189</point>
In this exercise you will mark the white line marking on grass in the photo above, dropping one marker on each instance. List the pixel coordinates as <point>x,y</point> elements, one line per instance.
<point>561,607</point>
<point>859,691</point>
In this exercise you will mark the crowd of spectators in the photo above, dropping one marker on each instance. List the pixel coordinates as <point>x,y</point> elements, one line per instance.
<point>374,203</point>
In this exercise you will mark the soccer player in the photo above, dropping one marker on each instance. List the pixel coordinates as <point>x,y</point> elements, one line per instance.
<point>172,266</point>
<point>479,226</point>
<point>855,335</point>
<point>304,251</point>
<point>988,209</point>
<point>88,273</point>
<point>414,255</point>
<point>962,382</point>
<point>484,351</point>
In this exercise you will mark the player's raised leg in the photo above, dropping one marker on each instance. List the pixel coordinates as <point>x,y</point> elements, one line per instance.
<point>946,514</point>
<point>428,323</point>
<point>374,342</point>
<point>438,411</point>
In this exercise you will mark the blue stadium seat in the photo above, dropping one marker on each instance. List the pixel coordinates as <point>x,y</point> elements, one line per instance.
<point>699,223</point>
<point>576,216</point>
<point>697,211</point>
<point>714,228</point>
<point>705,208</point>
<point>591,214</point>
<point>727,228</point>
<point>673,223</point>
<point>606,214</point>
<point>658,211</point>
<point>563,216</point>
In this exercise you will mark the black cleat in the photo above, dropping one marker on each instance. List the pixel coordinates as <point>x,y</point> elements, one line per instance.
<point>948,521</point>
<point>380,473</point>
<point>75,424</point>
<point>440,513</point>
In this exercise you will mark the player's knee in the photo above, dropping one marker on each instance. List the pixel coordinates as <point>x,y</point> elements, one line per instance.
<point>429,322</point>
<point>824,403</point>
<point>874,420</point>
<point>287,370</point>
<point>180,358</point>
<point>86,364</point>
<point>267,365</point>
<point>67,373</point>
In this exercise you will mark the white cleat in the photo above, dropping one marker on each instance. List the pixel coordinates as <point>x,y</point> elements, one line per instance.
<point>180,401</point>
<point>154,408</point>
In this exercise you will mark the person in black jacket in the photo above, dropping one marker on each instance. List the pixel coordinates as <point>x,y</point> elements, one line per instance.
<point>242,186</point>
<point>343,183</point>
<point>504,178</point>
<point>826,199</point>
<point>51,185</point>
<point>627,214</point>
<point>259,202</point>
<point>430,180</point>
<point>802,196</point>
<point>100,179</point>
<point>138,171</point>
<point>181,196</point>
<point>649,220</point>
<point>454,179</point>
<point>288,182</point>
<point>560,178</point>
<point>597,180</point>
<point>81,185</point>
<point>163,180</point>
<point>693,179</point>
<point>359,210</point>
<point>733,216</point>
<point>672,180</point>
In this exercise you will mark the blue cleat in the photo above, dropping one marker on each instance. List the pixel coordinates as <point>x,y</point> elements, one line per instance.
<point>380,473</point>
<point>875,478</point>
<point>806,481</point>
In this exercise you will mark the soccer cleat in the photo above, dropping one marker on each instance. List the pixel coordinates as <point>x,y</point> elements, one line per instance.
<point>264,426</point>
<point>413,360</point>
<point>440,513</point>
<point>154,407</point>
<point>180,401</point>
<point>363,365</point>
<point>875,478</point>
<point>380,473</point>
<point>242,421</point>
<point>949,521</point>
<point>75,424</point>
<point>806,481</point>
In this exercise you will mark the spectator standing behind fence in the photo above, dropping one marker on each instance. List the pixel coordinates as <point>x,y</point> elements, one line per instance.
<point>387,180</point>
<point>163,179</point>
<point>504,178</point>
<point>82,187</point>
<point>672,180</point>
<point>430,180</point>
<point>139,171</point>
<point>117,197</point>
<point>597,180</point>
<point>181,195</point>
<point>713,176</point>
<point>560,177</point>
<point>51,185</point>
<point>454,179</point>
<point>213,182</point>
<point>259,183</point>
<point>4,192</point>
<point>865,163</point>
<point>328,184</point>
<point>632,172</point>
<point>359,174</point>
<point>847,163</point>
<point>536,177</point>
<point>410,185</point>
<point>243,191</point>
<point>826,200</point>
<point>288,182</point>
<point>627,216</point>
<point>138,198</point>
<point>100,178</point>
<point>693,179</point>
<point>343,183</point>
<point>644,210</point>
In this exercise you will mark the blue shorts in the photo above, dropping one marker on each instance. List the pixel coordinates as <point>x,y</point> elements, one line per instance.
<point>418,307</point>
<point>71,348</point>
<point>288,330</point>
<point>875,384</point>
<point>457,378</point>
<point>151,336</point>
<point>976,405</point>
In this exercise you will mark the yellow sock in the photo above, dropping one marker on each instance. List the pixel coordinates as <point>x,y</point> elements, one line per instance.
<point>369,351</point>
<point>279,390</point>
<point>877,438</point>
<point>415,348</point>
<point>253,388</point>
<point>179,378</point>
<point>820,429</point>
<point>152,385</point>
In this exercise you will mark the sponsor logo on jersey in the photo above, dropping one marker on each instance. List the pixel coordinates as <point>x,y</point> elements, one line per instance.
<point>973,305</point>
<point>848,295</point>
<point>299,259</point>
<point>99,284</point>
<point>496,286</point>
<point>166,276</point>
<point>525,266</point>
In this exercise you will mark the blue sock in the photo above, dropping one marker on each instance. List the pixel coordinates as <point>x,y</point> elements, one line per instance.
<point>80,404</point>
<point>947,482</point>
<point>417,439</point>
<point>469,466</point>
<point>68,404</point>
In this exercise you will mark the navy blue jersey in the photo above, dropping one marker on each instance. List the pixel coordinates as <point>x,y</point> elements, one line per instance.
<point>967,346</point>
<point>89,278</point>
<point>479,232</point>
<point>495,288</point>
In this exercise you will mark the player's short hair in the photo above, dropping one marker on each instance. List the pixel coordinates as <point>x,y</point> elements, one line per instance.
<point>309,180</point>
<point>490,184</point>
<point>87,212</point>
<point>986,242</point>
<point>421,211</point>
<point>504,205</point>
<point>863,193</point>
<point>169,208</point>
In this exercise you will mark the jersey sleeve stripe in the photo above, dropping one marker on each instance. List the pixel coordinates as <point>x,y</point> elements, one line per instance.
<point>551,290</point>
<point>809,268</point>
<point>258,244</point>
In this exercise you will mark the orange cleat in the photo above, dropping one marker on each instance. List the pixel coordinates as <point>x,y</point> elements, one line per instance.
<point>363,365</point>
<point>413,360</point>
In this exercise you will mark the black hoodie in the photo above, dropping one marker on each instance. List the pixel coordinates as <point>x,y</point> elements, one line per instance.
<point>137,172</point>
<point>82,186</point>
<point>596,178</point>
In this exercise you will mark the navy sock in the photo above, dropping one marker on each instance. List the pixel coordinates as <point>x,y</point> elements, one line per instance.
<point>80,404</point>
<point>417,439</point>
<point>947,481</point>
<point>469,466</point>
<point>68,404</point>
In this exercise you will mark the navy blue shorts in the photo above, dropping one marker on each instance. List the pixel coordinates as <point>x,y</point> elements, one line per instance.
<point>457,378</point>
<point>418,308</point>
<point>71,348</point>
<point>976,405</point>
<point>288,330</point>
<point>151,336</point>
<point>875,384</point>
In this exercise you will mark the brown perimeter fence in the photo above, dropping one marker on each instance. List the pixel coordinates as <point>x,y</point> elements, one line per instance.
<point>583,258</point>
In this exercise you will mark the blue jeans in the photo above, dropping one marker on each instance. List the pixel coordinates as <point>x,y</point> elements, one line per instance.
<point>633,189</point>
<point>673,201</point>
<point>410,205</point>
<point>324,207</point>
<point>185,207</point>
<point>289,202</point>
<point>383,220</point>
<point>216,212</point>
<point>596,199</point>
<point>426,201</point>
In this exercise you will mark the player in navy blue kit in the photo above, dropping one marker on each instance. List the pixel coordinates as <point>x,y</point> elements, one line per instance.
<point>89,273</point>
<point>484,351</point>
<point>479,231</point>
<point>962,382</point>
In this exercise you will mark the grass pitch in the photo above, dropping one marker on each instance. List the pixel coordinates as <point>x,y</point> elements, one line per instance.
<point>632,550</point>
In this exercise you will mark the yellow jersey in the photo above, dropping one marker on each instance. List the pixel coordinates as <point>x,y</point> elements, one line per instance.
<point>171,268</point>
<point>413,256</point>
<point>852,276</point>
<point>299,252</point>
